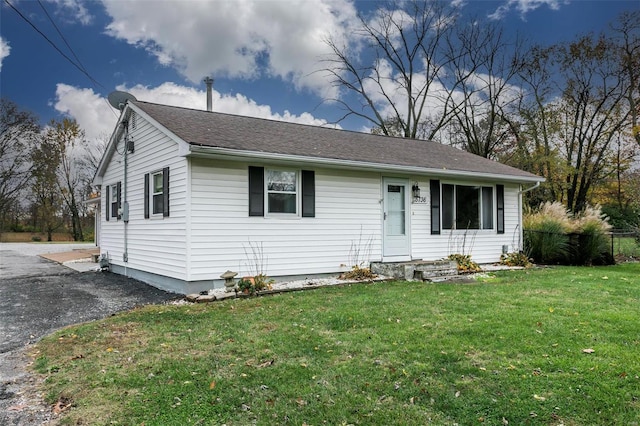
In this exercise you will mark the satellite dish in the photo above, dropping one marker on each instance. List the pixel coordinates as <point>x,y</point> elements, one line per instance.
<point>118,99</point>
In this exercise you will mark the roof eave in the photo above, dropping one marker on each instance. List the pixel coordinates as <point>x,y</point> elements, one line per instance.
<point>111,147</point>
<point>203,151</point>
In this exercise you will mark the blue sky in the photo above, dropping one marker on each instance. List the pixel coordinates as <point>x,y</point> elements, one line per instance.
<point>261,53</point>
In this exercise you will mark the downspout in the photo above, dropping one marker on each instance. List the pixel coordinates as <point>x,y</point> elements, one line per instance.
<point>125,203</point>
<point>522,191</point>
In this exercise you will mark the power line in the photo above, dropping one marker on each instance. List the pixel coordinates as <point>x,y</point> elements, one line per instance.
<point>78,65</point>
<point>73,52</point>
<point>84,69</point>
<point>50,42</point>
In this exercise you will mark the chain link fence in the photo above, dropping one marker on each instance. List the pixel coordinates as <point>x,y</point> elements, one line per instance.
<point>625,245</point>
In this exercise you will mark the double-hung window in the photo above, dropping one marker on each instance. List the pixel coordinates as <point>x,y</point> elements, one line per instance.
<point>113,199</point>
<point>156,193</point>
<point>157,189</point>
<point>281,192</point>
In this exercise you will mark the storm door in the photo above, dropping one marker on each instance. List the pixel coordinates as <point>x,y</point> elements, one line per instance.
<point>396,219</point>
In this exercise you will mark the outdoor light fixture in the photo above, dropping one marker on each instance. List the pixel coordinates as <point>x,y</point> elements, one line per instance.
<point>415,191</point>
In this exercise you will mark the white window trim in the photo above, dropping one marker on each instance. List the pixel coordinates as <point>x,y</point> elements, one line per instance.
<point>295,215</point>
<point>152,193</point>
<point>113,194</point>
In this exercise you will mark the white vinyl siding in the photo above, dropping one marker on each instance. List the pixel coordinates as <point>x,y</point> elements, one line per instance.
<point>158,245</point>
<point>484,245</point>
<point>347,211</point>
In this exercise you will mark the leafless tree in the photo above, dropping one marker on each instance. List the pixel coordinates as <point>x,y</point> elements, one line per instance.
<point>19,131</point>
<point>68,139</point>
<point>594,113</point>
<point>574,113</point>
<point>47,203</point>
<point>627,39</point>
<point>486,65</point>
<point>536,125</point>
<point>394,73</point>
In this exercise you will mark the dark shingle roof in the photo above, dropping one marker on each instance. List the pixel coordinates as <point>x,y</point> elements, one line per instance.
<point>248,134</point>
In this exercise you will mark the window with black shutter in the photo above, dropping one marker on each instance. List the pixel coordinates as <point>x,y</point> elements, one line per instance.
<point>156,193</point>
<point>281,192</point>
<point>434,186</point>
<point>500,208</point>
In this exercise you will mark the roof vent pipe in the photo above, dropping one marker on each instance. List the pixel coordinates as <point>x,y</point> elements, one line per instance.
<point>209,81</point>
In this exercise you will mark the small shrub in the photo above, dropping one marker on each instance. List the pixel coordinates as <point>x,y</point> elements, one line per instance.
<point>358,274</point>
<point>262,282</point>
<point>625,218</point>
<point>246,286</point>
<point>252,285</point>
<point>516,259</point>
<point>16,227</point>
<point>465,264</point>
<point>36,238</point>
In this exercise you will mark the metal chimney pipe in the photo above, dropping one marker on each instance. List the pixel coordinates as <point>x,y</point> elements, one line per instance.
<point>209,81</point>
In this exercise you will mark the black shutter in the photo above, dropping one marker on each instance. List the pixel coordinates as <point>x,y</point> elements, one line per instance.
<point>107,203</point>
<point>500,208</point>
<point>256,191</point>
<point>119,192</point>
<point>308,193</point>
<point>146,196</point>
<point>435,206</point>
<point>165,192</point>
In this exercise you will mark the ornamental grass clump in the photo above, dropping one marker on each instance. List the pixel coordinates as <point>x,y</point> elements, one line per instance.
<point>547,233</point>
<point>554,235</point>
<point>592,228</point>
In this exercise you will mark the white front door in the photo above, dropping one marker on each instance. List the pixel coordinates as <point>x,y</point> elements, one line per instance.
<point>396,219</point>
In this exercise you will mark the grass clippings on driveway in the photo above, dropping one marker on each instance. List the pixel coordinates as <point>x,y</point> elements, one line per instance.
<point>548,346</point>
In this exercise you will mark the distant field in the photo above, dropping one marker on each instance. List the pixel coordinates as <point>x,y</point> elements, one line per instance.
<point>626,246</point>
<point>27,237</point>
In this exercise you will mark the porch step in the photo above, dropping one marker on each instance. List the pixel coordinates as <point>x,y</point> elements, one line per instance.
<point>421,270</point>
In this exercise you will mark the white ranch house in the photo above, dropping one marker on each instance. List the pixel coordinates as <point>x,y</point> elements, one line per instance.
<point>190,194</point>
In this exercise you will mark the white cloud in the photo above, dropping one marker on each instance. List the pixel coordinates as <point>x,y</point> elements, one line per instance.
<point>188,97</point>
<point>94,114</point>
<point>237,39</point>
<point>524,7</point>
<point>5,49</point>
<point>72,11</point>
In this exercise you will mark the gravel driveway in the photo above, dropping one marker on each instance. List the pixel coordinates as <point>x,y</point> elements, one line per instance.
<point>38,296</point>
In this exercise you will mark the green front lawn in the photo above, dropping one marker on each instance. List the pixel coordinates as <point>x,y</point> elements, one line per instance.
<point>542,347</point>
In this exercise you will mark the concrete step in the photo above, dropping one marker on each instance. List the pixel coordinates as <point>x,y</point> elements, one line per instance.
<point>420,270</point>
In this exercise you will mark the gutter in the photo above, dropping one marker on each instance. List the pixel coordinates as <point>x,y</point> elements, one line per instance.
<point>274,158</point>
<point>522,191</point>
